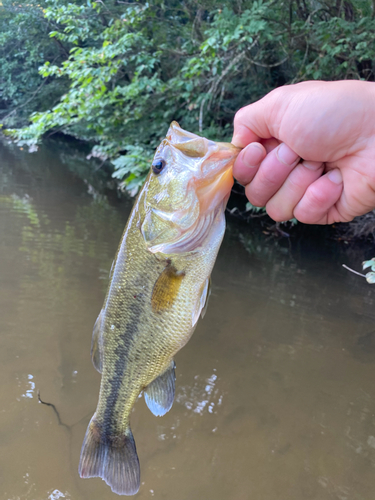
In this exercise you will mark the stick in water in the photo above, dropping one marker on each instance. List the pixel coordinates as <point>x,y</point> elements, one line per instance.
<point>54,409</point>
<point>355,272</point>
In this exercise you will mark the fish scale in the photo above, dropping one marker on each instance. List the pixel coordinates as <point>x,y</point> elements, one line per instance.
<point>158,288</point>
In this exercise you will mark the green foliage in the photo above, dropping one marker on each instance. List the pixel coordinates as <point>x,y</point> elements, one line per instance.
<point>133,166</point>
<point>25,45</point>
<point>370,277</point>
<point>135,66</point>
<point>251,208</point>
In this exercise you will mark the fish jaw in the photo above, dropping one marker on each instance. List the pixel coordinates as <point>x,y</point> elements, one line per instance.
<point>212,192</point>
<point>216,182</point>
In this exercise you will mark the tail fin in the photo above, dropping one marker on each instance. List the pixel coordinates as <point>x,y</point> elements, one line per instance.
<point>114,460</point>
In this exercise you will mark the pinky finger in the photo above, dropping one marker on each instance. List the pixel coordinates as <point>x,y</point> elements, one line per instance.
<point>316,205</point>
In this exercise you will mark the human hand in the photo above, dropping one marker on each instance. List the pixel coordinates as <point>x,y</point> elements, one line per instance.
<point>309,151</point>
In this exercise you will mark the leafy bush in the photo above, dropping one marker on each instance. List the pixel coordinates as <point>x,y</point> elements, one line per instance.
<point>135,66</point>
<point>370,276</point>
<point>25,45</point>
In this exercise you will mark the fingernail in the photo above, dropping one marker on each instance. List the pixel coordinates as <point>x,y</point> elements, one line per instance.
<point>335,176</point>
<point>312,165</point>
<point>253,155</point>
<point>286,155</point>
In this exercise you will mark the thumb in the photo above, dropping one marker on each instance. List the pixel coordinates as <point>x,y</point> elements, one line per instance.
<point>260,120</point>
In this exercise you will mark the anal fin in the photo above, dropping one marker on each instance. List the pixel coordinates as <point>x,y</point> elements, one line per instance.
<point>159,395</point>
<point>96,347</point>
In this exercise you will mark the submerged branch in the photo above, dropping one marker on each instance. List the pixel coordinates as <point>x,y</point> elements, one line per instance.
<point>54,409</point>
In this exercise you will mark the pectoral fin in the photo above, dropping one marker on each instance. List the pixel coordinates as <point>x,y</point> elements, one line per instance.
<point>202,302</point>
<point>96,344</point>
<point>159,395</point>
<point>206,297</point>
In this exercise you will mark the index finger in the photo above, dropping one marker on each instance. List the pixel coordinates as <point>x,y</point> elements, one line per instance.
<point>243,135</point>
<point>251,123</point>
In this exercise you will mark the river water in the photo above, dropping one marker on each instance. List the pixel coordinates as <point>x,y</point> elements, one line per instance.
<point>275,393</point>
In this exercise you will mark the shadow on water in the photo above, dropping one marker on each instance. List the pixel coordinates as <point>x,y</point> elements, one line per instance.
<point>274,392</point>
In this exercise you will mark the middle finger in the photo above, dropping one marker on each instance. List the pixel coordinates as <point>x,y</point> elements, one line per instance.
<point>271,175</point>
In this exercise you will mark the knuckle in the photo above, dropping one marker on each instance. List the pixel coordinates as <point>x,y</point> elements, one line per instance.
<point>268,181</point>
<point>278,210</point>
<point>275,93</point>
<point>277,214</point>
<point>296,183</point>
<point>302,216</point>
<point>253,197</point>
<point>315,197</point>
<point>240,116</point>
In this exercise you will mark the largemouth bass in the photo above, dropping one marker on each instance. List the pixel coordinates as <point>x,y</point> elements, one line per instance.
<point>159,287</point>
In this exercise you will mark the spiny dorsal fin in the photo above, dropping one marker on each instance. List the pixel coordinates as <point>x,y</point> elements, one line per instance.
<point>159,395</point>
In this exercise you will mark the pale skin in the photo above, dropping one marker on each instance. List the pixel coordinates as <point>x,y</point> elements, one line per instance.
<point>309,151</point>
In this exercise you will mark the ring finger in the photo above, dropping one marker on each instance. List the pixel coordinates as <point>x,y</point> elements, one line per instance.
<point>281,206</point>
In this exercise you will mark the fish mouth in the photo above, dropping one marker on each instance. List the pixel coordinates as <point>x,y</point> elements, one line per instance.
<point>211,192</point>
<point>215,187</point>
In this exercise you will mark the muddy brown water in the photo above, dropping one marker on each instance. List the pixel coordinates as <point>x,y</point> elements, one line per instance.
<point>275,393</point>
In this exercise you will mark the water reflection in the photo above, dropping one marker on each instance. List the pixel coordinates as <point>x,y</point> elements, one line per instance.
<point>201,395</point>
<point>56,494</point>
<point>31,388</point>
<point>274,393</point>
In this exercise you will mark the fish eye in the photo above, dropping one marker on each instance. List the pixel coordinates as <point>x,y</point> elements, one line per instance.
<point>158,166</point>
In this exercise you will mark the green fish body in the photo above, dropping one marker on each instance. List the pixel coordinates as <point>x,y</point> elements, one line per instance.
<point>158,288</point>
